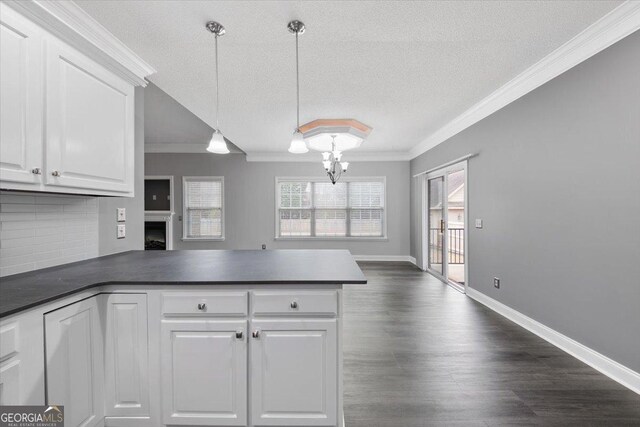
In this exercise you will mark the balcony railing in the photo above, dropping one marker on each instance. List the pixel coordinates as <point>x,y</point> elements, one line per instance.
<point>455,251</point>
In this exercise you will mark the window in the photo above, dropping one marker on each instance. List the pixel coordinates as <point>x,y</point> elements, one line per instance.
<point>203,215</point>
<point>314,208</point>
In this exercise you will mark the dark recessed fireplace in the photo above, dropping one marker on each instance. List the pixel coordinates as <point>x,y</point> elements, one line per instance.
<point>155,236</point>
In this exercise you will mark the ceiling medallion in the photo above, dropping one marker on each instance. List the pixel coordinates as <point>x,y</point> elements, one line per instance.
<point>332,137</point>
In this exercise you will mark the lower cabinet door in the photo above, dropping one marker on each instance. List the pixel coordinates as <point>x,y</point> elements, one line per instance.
<point>294,373</point>
<point>204,372</point>
<point>10,383</point>
<point>75,368</point>
<point>126,357</point>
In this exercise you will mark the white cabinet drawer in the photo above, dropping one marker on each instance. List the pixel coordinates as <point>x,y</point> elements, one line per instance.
<point>266,303</point>
<point>205,303</point>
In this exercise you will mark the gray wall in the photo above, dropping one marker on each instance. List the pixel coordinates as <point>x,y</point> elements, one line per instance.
<point>557,184</point>
<point>250,200</point>
<point>168,121</point>
<point>108,243</point>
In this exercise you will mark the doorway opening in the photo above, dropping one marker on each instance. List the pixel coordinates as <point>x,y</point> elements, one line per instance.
<point>445,225</point>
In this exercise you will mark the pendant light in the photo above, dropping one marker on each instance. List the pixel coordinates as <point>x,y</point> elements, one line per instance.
<point>298,146</point>
<point>217,144</point>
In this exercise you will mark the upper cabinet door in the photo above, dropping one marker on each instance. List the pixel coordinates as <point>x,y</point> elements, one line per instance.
<point>89,124</point>
<point>204,372</point>
<point>20,99</point>
<point>294,378</point>
<point>75,368</point>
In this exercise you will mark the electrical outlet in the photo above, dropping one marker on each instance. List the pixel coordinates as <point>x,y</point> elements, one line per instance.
<point>478,223</point>
<point>122,214</point>
<point>496,283</point>
<point>264,246</point>
<point>122,232</point>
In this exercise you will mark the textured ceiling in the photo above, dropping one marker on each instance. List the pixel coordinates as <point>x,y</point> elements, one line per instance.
<point>405,68</point>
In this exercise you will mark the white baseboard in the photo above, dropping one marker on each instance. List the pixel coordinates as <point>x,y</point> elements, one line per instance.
<point>607,366</point>
<point>405,258</point>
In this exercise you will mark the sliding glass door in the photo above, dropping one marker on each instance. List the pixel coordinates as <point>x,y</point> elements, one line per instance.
<point>436,224</point>
<point>445,223</point>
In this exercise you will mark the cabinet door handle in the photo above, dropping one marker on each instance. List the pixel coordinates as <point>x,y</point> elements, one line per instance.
<point>294,304</point>
<point>55,173</point>
<point>36,171</point>
<point>202,306</point>
<point>256,334</point>
<point>239,335</point>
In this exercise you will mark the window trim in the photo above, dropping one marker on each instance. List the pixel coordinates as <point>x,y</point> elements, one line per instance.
<point>186,179</point>
<point>279,179</point>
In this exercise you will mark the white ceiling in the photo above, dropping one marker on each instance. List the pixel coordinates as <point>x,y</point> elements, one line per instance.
<point>405,68</point>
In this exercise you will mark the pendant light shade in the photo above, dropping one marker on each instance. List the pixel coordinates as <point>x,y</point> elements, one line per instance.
<point>217,144</point>
<point>298,145</point>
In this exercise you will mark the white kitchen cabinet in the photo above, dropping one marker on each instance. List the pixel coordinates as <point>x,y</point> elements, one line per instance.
<point>9,364</point>
<point>204,372</point>
<point>10,382</point>
<point>89,112</point>
<point>75,366</point>
<point>20,99</point>
<point>126,357</point>
<point>67,102</point>
<point>22,360</point>
<point>294,375</point>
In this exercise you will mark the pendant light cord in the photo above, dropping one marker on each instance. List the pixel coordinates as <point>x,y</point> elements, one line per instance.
<point>217,91</point>
<point>297,88</point>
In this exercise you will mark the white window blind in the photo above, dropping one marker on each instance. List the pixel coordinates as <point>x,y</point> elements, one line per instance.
<point>316,208</point>
<point>203,204</point>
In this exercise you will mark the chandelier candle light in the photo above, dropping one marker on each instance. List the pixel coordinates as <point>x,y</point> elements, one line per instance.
<point>217,144</point>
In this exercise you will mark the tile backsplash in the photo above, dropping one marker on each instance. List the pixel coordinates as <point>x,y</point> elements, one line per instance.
<point>43,230</point>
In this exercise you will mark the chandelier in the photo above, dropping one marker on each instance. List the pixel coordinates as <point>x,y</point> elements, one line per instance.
<point>331,160</point>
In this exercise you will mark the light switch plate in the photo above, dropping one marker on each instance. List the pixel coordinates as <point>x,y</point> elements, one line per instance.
<point>122,214</point>
<point>478,223</point>
<point>121,231</point>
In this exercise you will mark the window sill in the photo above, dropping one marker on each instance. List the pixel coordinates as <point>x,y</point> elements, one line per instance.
<point>203,239</point>
<point>334,239</point>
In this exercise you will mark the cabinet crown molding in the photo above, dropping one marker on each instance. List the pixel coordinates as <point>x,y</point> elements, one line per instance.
<point>68,21</point>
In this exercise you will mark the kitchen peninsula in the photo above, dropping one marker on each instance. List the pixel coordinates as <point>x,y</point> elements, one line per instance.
<point>226,338</point>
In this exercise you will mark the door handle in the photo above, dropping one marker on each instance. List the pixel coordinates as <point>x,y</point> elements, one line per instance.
<point>442,226</point>
<point>256,334</point>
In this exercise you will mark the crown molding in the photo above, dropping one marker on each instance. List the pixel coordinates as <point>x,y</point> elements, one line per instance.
<point>614,26</point>
<point>313,156</point>
<point>276,156</point>
<point>69,22</point>
<point>179,147</point>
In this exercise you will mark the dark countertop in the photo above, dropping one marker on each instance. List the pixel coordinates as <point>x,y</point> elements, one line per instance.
<point>199,267</point>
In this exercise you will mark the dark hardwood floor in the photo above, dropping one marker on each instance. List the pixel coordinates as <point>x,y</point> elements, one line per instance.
<point>419,353</point>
